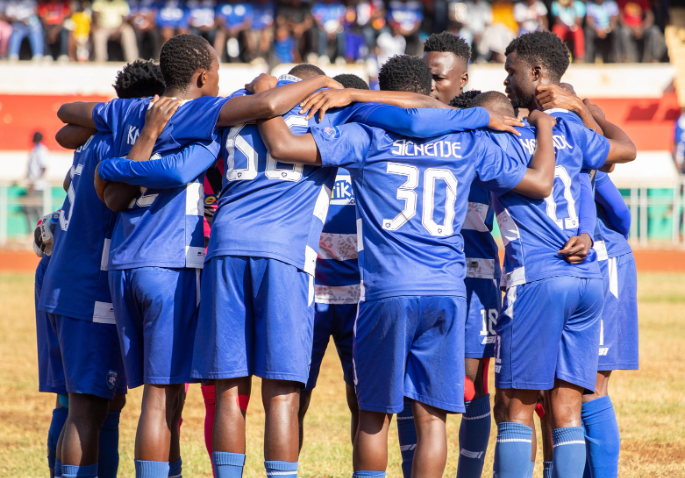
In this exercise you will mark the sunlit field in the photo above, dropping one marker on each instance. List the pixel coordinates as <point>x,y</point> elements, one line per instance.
<point>650,404</point>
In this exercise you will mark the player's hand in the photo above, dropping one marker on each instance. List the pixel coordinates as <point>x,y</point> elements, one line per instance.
<point>595,110</point>
<point>261,83</point>
<point>577,248</point>
<point>333,84</point>
<point>43,235</point>
<point>500,122</point>
<point>158,115</point>
<point>537,117</point>
<point>554,96</point>
<point>323,100</point>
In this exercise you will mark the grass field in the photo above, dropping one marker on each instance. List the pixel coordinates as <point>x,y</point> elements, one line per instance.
<point>650,403</point>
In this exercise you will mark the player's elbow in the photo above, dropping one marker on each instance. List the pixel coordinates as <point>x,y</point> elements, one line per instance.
<point>543,188</point>
<point>64,112</point>
<point>269,107</point>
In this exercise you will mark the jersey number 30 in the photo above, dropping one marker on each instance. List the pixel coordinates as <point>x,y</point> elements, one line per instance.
<point>407,194</point>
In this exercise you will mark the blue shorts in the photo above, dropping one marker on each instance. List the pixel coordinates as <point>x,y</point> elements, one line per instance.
<point>618,340</point>
<point>484,301</point>
<point>549,329</point>
<point>336,320</point>
<point>50,369</point>
<point>411,346</point>
<point>91,356</point>
<point>256,318</point>
<point>156,314</point>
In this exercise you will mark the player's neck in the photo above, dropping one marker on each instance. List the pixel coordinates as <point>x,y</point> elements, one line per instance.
<point>187,94</point>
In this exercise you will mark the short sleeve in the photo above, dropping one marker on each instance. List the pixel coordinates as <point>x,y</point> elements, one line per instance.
<point>555,9</point>
<point>520,12</point>
<point>611,9</point>
<point>345,146</point>
<point>196,119</point>
<point>580,9</point>
<point>496,170</point>
<point>595,148</point>
<point>107,116</point>
<point>542,9</point>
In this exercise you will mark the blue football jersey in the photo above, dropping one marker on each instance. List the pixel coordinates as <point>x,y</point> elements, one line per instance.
<point>235,14</point>
<point>409,207</point>
<point>75,284</point>
<point>337,271</point>
<point>533,230</point>
<point>608,241</point>
<point>163,227</point>
<point>480,248</point>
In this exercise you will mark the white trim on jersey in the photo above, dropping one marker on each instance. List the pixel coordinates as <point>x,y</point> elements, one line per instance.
<point>600,248</point>
<point>322,203</point>
<point>613,276</point>
<point>195,199</point>
<point>338,247</point>
<point>309,260</point>
<point>104,260</point>
<point>477,268</point>
<point>508,228</point>
<point>340,294</point>
<point>195,257</point>
<point>514,278</point>
<point>475,217</point>
<point>103,313</point>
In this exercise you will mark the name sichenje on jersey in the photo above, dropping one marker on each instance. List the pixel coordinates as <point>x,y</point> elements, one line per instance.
<point>442,148</point>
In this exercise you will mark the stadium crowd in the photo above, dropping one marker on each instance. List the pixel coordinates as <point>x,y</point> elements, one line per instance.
<point>348,31</point>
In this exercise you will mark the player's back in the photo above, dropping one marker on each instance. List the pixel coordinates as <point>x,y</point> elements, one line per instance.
<point>480,248</point>
<point>609,242</point>
<point>410,203</point>
<point>76,282</point>
<point>534,230</point>
<point>267,208</point>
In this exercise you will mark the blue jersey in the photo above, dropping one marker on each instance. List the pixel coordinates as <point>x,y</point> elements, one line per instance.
<point>172,14</point>
<point>263,16</point>
<point>480,248</point>
<point>163,227</point>
<point>201,13</point>
<point>337,271</point>
<point>405,14</point>
<point>609,242</point>
<point>533,230</point>
<point>291,200</point>
<point>75,284</point>
<point>409,209</point>
<point>235,14</point>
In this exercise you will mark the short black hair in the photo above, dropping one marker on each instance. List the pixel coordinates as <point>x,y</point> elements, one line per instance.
<point>181,57</point>
<point>465,99</point>
<point>349,80</point>
<point>447,42</point>
<point>37,137</point>
<point>544,48</point>
<point>405,73</point>
<point>496,101</point>
<point>139,79</point>
<point>305,70</point>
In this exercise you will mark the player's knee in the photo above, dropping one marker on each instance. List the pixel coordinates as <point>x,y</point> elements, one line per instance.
<point>352,403</point>
<point>280,393</point>
<point>501,408</point>
<point>117,403</point>
<point>86,410</point>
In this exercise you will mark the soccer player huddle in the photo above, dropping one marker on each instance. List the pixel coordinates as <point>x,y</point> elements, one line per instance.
<point>365,216</point>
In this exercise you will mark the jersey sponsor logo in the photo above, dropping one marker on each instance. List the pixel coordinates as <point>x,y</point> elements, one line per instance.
<point>443,149</point>
<point>112,377</point>
<point>342,193</point>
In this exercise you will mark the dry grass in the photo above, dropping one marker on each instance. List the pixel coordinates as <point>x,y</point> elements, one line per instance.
<point>650,403</point>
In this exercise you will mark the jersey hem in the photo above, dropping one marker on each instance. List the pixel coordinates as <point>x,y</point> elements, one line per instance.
<point>551,275</point>
<point>412,293</point>
<point>257,255</point>
<point>140,265</point>
<point>56,310</point>
<point>618,366</point>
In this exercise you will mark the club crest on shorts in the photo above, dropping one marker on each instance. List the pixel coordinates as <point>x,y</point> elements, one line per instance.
<point>112,376</point>
<point>331,132</point>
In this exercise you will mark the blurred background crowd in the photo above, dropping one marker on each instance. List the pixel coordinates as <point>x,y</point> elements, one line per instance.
<point>349,31</point>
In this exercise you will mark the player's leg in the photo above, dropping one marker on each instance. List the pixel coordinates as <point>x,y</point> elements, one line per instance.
<point>226,358</point>
<point>209,399</point>
<point>576,360</point>
<point>370,455</point>
<point>520,372</point>
<point>352,404</point>
<point>175,461</point>
<point>283,304</point>
<point>602,438</point>
<point>108,456</point>
<point>546,431</point>
<point>59,418</point>
<point>323,326</point>
<point>430,456</point>
<point>407,437</point>
<point>343,336</point>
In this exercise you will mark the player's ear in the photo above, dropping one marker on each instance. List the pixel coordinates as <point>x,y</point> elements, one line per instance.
<point>537,73</point>
<point>202,78</point>
<point>464,79</point>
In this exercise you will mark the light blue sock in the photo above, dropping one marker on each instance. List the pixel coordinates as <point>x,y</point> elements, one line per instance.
<point>108,454</point>
<point>406,433</point>
<point>59,416</point>
<point>285,469</point>
<point>474,434</point>
<point>602,439</point>
<point>228,465</point>
<point>569,452</point>
<point>58,468</point>
<point>547,469</point>
<point>176,469</point>
<point>151,469</point>
<point>531,469</point>
<point>74,471</point>
<point>368,474</point>
<point>512,451</point>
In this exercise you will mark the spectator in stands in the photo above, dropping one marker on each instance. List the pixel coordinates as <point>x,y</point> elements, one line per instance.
<point>53,14</point>
<point>531,16</point>
<point>5,30</point>
<point>285,46</point>
<point>234,20</point>
<point>172,19</point>
<point>329,16</point>
<point>478,17</point>
<point>142,19</point>
<point>37,184</point>
<point>679,143</point>
<point>568,18</point>
<point>390,43</point>
<point>636,28</point>
<point>202,20</point>
<point>109,24</point>
<point>296,16</point>
<point>262,33</point>
<point>81,20</point>
<point>600,31</point>
<point>354,42</point>
<point>23,16</point>
<point>406,17</point>
<point>368,18</point>
<point>503,30</point>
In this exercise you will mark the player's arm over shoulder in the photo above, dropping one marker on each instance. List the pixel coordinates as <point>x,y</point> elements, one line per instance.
<point>285,146</point>
<point>538,181</point>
